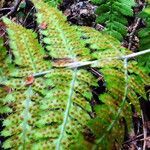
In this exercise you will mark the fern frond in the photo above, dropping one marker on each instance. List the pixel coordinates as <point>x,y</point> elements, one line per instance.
<point>113,13</point>
<point>113,72</point>
<point>60,113</point>
<point>55,111</point>
<point>61,39</point>
<point>28,53</point>
<point>28,59</point>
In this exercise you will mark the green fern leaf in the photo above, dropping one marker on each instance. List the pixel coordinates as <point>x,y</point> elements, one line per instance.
<point>113,14</point>
<point>144,34</point>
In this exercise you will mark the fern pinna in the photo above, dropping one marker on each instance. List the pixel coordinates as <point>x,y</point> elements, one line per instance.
<point>113,14</point>
<point>47,104</point>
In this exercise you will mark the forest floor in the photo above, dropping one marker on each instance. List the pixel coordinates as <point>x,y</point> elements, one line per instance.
<point>82,12</point>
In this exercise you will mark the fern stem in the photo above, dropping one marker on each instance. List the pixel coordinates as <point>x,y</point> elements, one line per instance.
<point>120,108</point>
<point>66,115</point>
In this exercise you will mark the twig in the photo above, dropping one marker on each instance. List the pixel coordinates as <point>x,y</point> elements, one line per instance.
<point>144,132</point>
<point>145,139</point>
<point>17,3</point>
<point>133,139</point>
<point>81,64</point>
<point>28,15</point>
<point>3,9</point>
<point>86,63</point>
<point>12,9</point>
<point>137,22</point>
<point>136,54</point>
